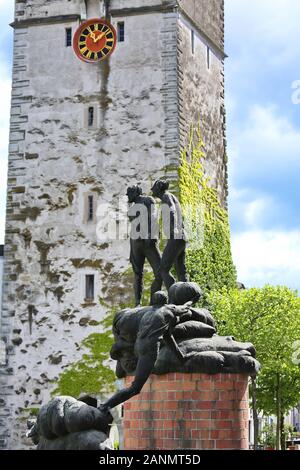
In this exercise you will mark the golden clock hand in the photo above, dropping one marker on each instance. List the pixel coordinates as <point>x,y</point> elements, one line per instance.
<point>93,36</point>
<point>100,37</point>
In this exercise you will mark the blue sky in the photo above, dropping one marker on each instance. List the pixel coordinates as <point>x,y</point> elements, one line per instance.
<point>262,41</point>
<point>263,129</point>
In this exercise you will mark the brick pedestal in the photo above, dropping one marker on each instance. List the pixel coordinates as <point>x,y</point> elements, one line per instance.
<point>188,411</point>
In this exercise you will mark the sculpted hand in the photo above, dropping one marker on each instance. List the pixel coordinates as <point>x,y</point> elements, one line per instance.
<point>104,408</point>
<point>181,309</point>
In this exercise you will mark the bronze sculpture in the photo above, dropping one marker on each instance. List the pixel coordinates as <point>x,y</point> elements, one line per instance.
<point>167,338</point>
<point>144,236</point>
<point>143,240</point>
<point>69,424</point>
<point>174,252</point>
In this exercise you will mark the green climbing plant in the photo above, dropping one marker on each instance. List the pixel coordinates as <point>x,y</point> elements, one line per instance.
<point>91,374</point>
<point>209,258</point>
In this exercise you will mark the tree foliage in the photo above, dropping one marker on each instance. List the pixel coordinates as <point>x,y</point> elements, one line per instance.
<point>270,318</point>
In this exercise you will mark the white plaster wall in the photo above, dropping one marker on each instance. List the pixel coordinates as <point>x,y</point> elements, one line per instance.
<point>43,8</point>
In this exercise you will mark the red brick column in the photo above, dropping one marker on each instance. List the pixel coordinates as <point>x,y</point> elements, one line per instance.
<point>188,411</point>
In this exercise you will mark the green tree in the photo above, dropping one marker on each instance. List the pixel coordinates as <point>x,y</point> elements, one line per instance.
<point>270,319</point>
<point>267,436</point>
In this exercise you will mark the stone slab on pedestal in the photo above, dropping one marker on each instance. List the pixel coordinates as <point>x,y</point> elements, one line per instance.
<point>188,411</point>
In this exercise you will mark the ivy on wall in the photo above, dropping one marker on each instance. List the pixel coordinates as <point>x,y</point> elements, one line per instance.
<point>209,258</point>
<point>92,373</point>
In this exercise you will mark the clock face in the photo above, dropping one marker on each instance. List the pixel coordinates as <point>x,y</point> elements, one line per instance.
<point>94,40</point>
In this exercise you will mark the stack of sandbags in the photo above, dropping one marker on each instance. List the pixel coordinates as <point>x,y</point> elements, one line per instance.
<point>68,424</point>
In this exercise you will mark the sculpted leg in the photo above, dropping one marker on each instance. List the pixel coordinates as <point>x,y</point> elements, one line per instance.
<point>180,265</point>
<point>137,259</point>
<point>138,288</point>
<point>154,259</point>
<point>167,261</point>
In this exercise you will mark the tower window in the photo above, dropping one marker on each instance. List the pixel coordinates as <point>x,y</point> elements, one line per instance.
<point>68,37</point>
<point>193,41</point>
<point>208,57</point>
<point>91,117</point>
<point>90,215</point>
<point>121,31</point>
<point>89,206</point>
<point>89,287</point>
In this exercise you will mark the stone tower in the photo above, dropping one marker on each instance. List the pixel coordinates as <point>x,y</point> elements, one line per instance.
<point>80,134</point>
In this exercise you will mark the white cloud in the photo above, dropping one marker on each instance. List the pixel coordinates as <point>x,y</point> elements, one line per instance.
<point>254,211</point>
<point>264,142</point>
<point>250,208</point>
<point>264,162</point>
<point>272,29</point>
<point>267,257</point>
<point>267,129</point>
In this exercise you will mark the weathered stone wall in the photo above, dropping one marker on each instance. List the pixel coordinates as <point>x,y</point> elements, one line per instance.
<point>2,344</point>
<point>28,9</point>
<point>55,160</point>
<point>1,274</point>
<point>208,15</point>
<point>201,99</point>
